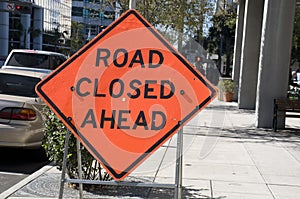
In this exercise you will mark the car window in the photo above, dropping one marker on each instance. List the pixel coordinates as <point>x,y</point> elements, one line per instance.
<point>56,61</point>
<point>29,60</point>
<point>18,85</point>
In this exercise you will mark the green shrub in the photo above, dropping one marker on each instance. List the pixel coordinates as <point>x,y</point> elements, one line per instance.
<point>54,144</point>
<point>226,85</point>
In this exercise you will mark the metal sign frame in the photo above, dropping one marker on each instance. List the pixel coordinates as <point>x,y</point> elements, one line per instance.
<point>178,172</point>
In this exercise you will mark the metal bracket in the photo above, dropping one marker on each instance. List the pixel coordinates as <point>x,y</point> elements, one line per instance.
<point>178,172</point>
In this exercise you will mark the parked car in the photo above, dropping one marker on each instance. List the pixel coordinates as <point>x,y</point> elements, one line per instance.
<point>37,60</point>
<point>21,122</point>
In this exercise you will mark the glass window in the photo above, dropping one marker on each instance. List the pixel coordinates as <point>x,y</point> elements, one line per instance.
<point>77,11</point>
<point>94,13</point>
<point>85,13</point>
<point>29,60</point>
<point>18,85</point>
<point>33,60</point>
<point>56,61</point>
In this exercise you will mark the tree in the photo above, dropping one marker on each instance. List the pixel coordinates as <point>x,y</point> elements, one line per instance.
<point>221,36</point>
<point>77,36</point>
<point>183,16</point>
<point>295,55</point>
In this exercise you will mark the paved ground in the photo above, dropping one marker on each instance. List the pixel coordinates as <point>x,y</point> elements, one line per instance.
<point>225,156</point>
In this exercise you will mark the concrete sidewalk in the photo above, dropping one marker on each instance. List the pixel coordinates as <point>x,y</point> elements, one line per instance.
<point>225,156</point>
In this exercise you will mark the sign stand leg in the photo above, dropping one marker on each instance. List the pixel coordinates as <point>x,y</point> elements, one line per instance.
<point>79,168</point>
<point>178,170</point>
<point>80,181</point>
<point>63,173</point>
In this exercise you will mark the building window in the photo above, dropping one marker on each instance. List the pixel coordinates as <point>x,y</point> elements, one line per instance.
<point>76,11</point>
<point>85,13</point>
<point>94,14</point>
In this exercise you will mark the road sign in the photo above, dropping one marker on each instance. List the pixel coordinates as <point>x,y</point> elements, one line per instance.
<point>19,7</point>
<point>11,6</point>
<point>125,93</point>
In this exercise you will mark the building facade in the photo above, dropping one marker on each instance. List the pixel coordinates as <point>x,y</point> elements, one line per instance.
<point>95,15</point>
<point>56,24</point>
<point>34,24</point>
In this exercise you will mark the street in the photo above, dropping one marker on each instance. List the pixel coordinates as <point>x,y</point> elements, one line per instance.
<point>17,164</point>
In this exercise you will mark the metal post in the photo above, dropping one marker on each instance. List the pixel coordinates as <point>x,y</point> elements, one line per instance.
<point>79,168</point>
<point>132,4</point>
<point>178,170</point>
<point>63,173</point>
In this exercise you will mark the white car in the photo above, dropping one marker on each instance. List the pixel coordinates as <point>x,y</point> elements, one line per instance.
<point>35,60</point>
<point>21,122</point>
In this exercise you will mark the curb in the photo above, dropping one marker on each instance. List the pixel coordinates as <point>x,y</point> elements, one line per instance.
<point>25,181</point>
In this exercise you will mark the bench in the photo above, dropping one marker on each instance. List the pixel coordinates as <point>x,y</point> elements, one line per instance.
<point>285,108</point>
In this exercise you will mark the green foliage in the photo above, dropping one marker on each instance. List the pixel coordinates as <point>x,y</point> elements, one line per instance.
<point>222,34</point>
<point>223,24</point>
<point>77,36</point>
<point>180,15</point>
<point>226,85</point>
<point>295,54</point>
<point>54,144</point>
<point>294,93</point>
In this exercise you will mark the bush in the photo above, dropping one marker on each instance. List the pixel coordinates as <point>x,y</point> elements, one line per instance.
<point>54,145</point>
<point>226,85</point>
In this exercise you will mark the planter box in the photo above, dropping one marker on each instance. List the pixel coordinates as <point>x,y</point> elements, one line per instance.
<point>227,96</point>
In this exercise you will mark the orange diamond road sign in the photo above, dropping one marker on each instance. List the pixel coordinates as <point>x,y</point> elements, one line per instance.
<point>125,93</point>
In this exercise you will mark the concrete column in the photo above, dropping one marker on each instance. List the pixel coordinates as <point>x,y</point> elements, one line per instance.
<point>277,31</point>
<point>25,37</point>
<point>238,46</point>
<point>4,30</point>
<point>38,25</point>
<point>250,53</point>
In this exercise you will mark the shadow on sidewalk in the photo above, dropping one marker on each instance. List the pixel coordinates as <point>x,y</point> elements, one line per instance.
<point>249,134</point>
<point>140,192</point>
<point>47,186</point>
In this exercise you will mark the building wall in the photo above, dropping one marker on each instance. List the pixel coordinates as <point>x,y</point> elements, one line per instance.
<point>4,30</point>
<point>28,30</point>
<point>94,15</point>
<point>57,24</point>
<point>56,14</point>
